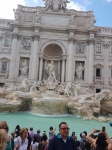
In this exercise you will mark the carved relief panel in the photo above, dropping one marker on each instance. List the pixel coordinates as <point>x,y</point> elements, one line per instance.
<point>26,44</point>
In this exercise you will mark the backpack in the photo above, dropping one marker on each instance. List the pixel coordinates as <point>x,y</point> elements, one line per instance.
<point>85,145</point>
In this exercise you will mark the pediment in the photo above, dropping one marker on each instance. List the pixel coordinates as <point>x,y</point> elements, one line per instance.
<point>98,65</point>
<point>4,59</point>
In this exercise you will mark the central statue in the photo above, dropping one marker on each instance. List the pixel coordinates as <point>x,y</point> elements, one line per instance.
<point>56,4</point>
<point>51,72</point>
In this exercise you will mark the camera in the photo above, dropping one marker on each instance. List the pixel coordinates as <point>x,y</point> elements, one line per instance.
<point>97,130</point>
<point>103,128</point>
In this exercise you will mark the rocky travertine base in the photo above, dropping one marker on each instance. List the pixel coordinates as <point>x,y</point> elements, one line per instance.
<point>49,107</point>
<point>81,102</point>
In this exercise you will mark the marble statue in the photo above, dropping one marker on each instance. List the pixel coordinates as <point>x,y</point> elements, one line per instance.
<point>76,89</point>
<point>56,4</point>
<point>60,99</point>
<point>48,4</point>
<point>24,69</point>
<point>51,72</point>
<point>16,14</point>
<point>67,89</point>
<point>33,87</point>
<point>37,17</point>
<point>25,85</point>
<point>79,71</point>
<point>92,21</point>
<point>71,21</point>
<point>63,4</point>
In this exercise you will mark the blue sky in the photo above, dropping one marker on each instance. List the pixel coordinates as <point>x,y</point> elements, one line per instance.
<point>102,9</point>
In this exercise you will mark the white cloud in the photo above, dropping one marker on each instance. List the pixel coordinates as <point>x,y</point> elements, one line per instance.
<point>6,8</point>
<point>76,6</point>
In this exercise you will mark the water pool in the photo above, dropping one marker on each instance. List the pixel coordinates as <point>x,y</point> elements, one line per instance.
<point>77,124</point>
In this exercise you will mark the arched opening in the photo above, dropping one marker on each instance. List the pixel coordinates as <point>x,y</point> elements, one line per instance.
<point>53,51</point>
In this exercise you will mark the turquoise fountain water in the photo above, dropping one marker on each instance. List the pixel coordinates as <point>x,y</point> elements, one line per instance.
<point>77,124</point>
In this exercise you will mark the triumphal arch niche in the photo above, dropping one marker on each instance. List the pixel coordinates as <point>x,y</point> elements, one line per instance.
<point>54,51</point>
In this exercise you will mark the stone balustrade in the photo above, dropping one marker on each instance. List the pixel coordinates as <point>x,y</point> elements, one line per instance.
<point>105,31</point>
<point>26,8</point>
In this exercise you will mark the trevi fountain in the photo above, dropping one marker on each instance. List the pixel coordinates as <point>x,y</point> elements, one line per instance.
<point>51,97</point>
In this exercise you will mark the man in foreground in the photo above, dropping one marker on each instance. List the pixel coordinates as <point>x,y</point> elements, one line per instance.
<point>62,141</point>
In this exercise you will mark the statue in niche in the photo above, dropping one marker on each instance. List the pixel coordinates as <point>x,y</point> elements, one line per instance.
<point>25,44</point>
<point>51,72</point>
<point>37,17</point>
<point>24,69</point>
<point>79,72</point>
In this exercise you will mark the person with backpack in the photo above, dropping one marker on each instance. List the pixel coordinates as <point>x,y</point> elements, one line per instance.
<point>84,144</point>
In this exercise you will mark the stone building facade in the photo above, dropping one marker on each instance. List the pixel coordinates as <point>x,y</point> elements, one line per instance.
<point>69,38</point>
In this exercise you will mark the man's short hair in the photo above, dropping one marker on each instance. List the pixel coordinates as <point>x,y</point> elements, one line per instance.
<point>31,128</point>
<point>62,123</point>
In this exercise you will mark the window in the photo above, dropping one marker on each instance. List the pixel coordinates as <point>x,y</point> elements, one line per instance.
<point>98,72</point>
<point>98,90</point>
<point>4,66</point>
<point>98,48</point>
<point>7,41</point>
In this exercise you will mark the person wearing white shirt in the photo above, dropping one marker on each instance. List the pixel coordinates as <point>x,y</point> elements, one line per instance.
<point>21,142</point>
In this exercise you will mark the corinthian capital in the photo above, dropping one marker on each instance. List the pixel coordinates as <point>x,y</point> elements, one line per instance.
<point>71,39</point>
<point>35,37</point>
<point>106,45</point>
<point>15,36</point>
<point>90,42</point>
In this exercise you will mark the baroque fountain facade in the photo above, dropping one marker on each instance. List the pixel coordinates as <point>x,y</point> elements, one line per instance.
<point>54,60</point>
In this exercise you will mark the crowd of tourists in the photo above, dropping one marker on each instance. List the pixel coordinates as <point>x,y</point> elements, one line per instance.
<point>27,139</point>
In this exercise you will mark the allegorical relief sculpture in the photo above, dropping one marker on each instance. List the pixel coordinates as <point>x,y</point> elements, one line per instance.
<point>26,44</point>
<point>80,48</point>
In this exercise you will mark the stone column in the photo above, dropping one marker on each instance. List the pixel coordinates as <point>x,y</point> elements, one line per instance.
<point>13,58</point>
<point>0,66</point>
<point>70,60</point>
<point>59,67</point>
<point>90,61</point>
<point>35,59</point>
<point>106,46</point>
<point>63,71</point>
<point>40,68</point>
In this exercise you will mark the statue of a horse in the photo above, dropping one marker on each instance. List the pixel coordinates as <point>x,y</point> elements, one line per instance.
<point>25,86</point>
